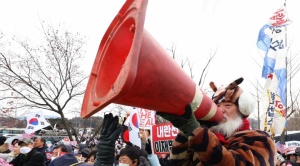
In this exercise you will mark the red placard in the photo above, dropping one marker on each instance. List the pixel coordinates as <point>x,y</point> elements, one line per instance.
<point>162,137</point>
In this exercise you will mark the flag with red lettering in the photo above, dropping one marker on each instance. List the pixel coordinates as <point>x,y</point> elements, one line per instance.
<point>280,17</point>
<point>274,118</point>
<point>271,40</point>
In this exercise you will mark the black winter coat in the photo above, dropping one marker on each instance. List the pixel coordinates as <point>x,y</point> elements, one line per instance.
<point>33,158</point>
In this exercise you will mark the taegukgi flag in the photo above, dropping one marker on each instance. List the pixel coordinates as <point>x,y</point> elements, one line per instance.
<point>133,126</point>
<point>35,121</point>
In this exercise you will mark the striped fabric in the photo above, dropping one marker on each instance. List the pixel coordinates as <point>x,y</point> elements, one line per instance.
<point>244,148</point>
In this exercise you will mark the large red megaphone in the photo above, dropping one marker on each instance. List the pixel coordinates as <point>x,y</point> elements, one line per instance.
<point>132,69</point>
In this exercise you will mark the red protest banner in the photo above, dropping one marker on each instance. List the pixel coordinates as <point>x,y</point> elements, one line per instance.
<point>162,137</point>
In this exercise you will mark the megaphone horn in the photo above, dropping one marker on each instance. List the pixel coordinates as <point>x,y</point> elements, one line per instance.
<point>132,69</point>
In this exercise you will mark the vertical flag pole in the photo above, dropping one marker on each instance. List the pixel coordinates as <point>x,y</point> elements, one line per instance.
<point>275,65</point>
<point>284,134</point>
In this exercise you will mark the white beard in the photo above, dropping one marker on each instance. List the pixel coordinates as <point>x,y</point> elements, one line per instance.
<point>229,127</point>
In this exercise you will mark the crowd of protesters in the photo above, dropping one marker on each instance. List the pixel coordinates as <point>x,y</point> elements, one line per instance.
<point>34,152</point>
<point>288,157</point>
<point>229,142</point>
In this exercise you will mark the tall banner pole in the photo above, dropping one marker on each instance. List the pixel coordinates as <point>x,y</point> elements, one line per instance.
<point>284,133</point>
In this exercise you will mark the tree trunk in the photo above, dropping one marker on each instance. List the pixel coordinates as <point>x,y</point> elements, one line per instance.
<point>66,126</point>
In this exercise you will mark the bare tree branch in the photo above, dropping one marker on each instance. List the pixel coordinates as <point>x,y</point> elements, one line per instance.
<point>46,76</point>
<point>206,67</point>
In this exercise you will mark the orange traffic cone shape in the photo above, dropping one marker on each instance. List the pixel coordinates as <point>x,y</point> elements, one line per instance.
<point>132,69</point>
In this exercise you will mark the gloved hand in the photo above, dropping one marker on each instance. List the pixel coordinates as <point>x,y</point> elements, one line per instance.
<point>186,123</point>
<point>110,132</point>
<point>148,147</point>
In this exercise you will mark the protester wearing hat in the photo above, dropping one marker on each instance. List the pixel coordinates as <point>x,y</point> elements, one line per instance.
<point>58,150</point>
<point>67,159</point>
<point>231,142</point>
<point>294,155</point>
<point>29,156</point>
<point>64,156</point>
<point>64,160</point>
<point>290,155</point>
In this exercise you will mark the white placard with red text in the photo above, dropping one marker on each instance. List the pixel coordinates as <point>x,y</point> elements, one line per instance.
<point>147,118</point>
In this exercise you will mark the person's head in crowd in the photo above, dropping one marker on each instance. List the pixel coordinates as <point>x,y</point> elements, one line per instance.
<point>288,163</point>
<point>69,148</point>
<point>65,157</point>
<point>291,155</point>
<point>129,156</point>
<point>58,150</point>
<point>2,140</point>
<point>16,149</point>
<point>15,141</point>
<point>144,134</point>
<point>85,153</point>
<point>236,105</point>
<point>39,142</point>
<point>78,148</point>
<point>91,157</point>
<point>26,145</point>
<point>144,131</point>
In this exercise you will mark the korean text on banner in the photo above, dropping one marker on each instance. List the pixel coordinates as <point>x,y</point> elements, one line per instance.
<point>162,137</point>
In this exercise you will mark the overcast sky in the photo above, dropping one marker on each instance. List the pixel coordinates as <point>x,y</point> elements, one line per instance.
<point>197,28</point>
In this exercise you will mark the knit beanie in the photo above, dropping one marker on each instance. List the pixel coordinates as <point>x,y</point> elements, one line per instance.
<point>234,94</point>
